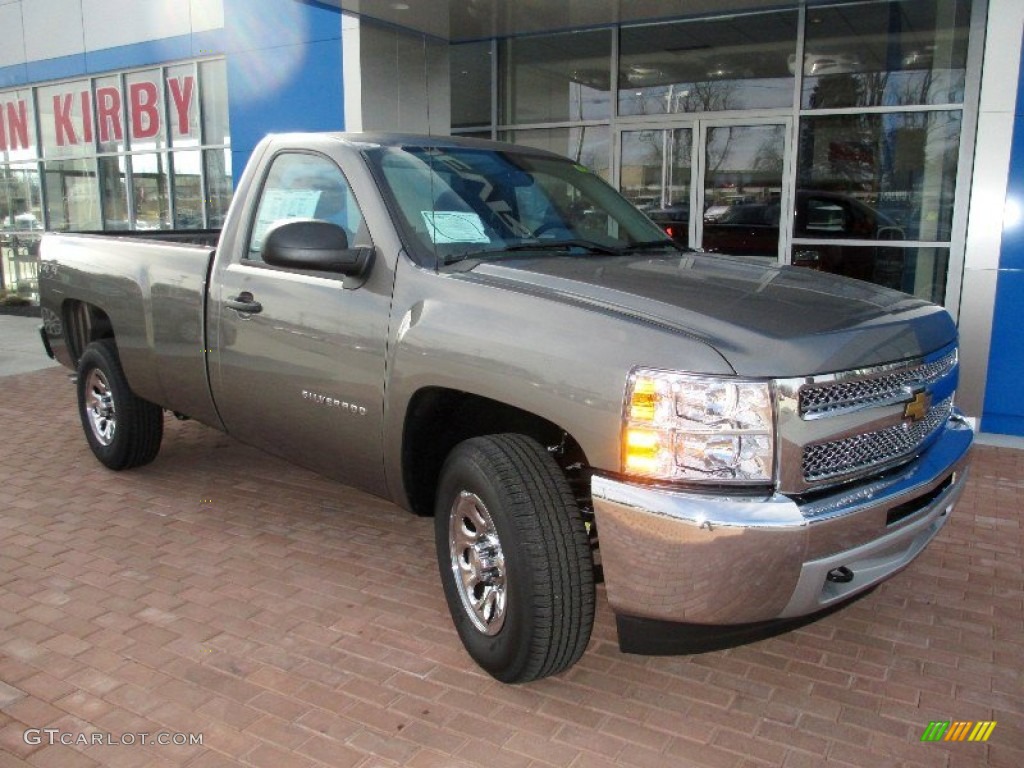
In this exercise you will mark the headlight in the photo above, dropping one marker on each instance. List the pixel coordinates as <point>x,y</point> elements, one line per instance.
<point>697,428</point>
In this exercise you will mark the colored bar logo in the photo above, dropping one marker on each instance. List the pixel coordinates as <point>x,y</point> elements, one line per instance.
<point>958,730</point>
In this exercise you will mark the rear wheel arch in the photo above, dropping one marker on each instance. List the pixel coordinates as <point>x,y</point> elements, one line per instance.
<point>84,323</point>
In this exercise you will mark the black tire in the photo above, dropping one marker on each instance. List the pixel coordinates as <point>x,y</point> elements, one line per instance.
<point>122,429</point>
<point>542,565</point>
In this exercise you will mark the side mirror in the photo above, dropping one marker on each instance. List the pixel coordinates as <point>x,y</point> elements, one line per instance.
<point>320,246</point>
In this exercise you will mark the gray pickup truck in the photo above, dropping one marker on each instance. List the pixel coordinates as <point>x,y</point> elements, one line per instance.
<point>491,335</point>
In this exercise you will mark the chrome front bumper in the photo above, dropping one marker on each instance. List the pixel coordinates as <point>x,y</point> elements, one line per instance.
<point>717,559</point>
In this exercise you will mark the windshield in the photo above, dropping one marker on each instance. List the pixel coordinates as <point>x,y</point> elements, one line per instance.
<point>458,203</point>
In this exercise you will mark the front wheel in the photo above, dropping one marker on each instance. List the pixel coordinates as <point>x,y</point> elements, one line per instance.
<point>123,430</point>
<point>515,561</point>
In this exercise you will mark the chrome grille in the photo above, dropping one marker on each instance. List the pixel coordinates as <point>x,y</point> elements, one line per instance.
<point>871,449</point>
<point>840,396</point>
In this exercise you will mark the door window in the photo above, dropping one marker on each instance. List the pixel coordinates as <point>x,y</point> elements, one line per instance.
<point>306,186</point>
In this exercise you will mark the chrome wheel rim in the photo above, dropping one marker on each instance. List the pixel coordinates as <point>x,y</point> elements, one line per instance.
<point>478,563</point>
<point>99,407</point>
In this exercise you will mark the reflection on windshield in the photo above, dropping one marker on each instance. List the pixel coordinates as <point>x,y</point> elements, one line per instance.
<point>455,203</point>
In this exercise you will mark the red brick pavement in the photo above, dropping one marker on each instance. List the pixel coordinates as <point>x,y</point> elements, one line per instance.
<point>295,622</point>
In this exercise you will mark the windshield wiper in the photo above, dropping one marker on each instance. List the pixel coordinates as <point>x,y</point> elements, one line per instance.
<point>646,245</point>
<point>561,245</point>
<point>539,245</point>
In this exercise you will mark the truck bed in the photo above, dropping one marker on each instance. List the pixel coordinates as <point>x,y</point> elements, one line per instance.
<point>151,286</point>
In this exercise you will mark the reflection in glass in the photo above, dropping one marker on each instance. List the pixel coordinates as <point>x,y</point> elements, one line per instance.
<point>587,145</point>
<point>551,78</point>
<point>187,190</point>
<point>72,195</point>
<point>902,164</point>
<point>655,177</point>
<point>919,271</point>
<point>114,192</point>
<point>708,65</point>
<point>868,54</point>
<point>150,191</point>
<point>218,184</point>
<point>20,198</point>
<point>742,189</point>
<point>470,73</point>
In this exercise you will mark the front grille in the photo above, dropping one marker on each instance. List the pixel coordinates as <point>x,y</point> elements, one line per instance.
<point>871,449</point>
<point>840,396</point>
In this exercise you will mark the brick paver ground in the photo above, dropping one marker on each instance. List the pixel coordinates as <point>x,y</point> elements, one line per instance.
<point>295,622</point>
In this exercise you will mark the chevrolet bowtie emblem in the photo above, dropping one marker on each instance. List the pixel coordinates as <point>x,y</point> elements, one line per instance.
<point>918,408</point>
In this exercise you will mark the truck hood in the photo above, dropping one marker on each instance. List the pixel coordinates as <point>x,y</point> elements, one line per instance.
<point>764,320</point>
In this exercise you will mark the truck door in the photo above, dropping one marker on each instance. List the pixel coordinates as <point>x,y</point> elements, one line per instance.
<point>297,364</point>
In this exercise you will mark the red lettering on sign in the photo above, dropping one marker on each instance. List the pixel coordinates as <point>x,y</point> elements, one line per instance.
<point>143,98</point>
<point>182,89</point>
<point>62,104</point>
<point>108,113</point>
<point>17,126</point>
<point>86,98</point>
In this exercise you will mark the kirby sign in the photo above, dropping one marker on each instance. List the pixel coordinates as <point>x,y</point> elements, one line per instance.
<point>72,113</point>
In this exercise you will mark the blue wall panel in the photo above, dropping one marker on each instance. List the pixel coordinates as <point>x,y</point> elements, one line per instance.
<point>56,69</point>
<point>139,54</point>
<point>1004,398</point>
<point>284,71</point>
<point>1004,403</point>
<point>14,75</point>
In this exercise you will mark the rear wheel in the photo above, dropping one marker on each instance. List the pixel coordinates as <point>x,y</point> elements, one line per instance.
<point>514,558</point>
<point>122,429</point>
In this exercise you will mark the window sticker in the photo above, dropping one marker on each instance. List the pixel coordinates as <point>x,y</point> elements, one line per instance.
<point>280,204</point>
<point>455,227</point>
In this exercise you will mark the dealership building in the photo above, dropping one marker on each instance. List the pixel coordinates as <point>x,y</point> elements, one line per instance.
<point>876,139</point>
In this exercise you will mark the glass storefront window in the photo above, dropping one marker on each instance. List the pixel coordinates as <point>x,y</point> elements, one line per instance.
<point>17,126</point>
<point>114,192</point>
<point>150,191</point>
<point>182,99</point>
<point>108,146</point>
<point>187,189</point>
<point>655,175</point>
<point>144,103</point>
<point>20,198</point>
<point>217,163</point>
<point>919,271</point>
<point>708,65</point>
<point>66,119</point>
<point>72,195</point>
<point>109,114</point>
<point>743,189</point>
<point>587,145</point>
<point>470,78</point>
<point>900,164</point>
<point>886,54</point>
<point>552,78</point>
